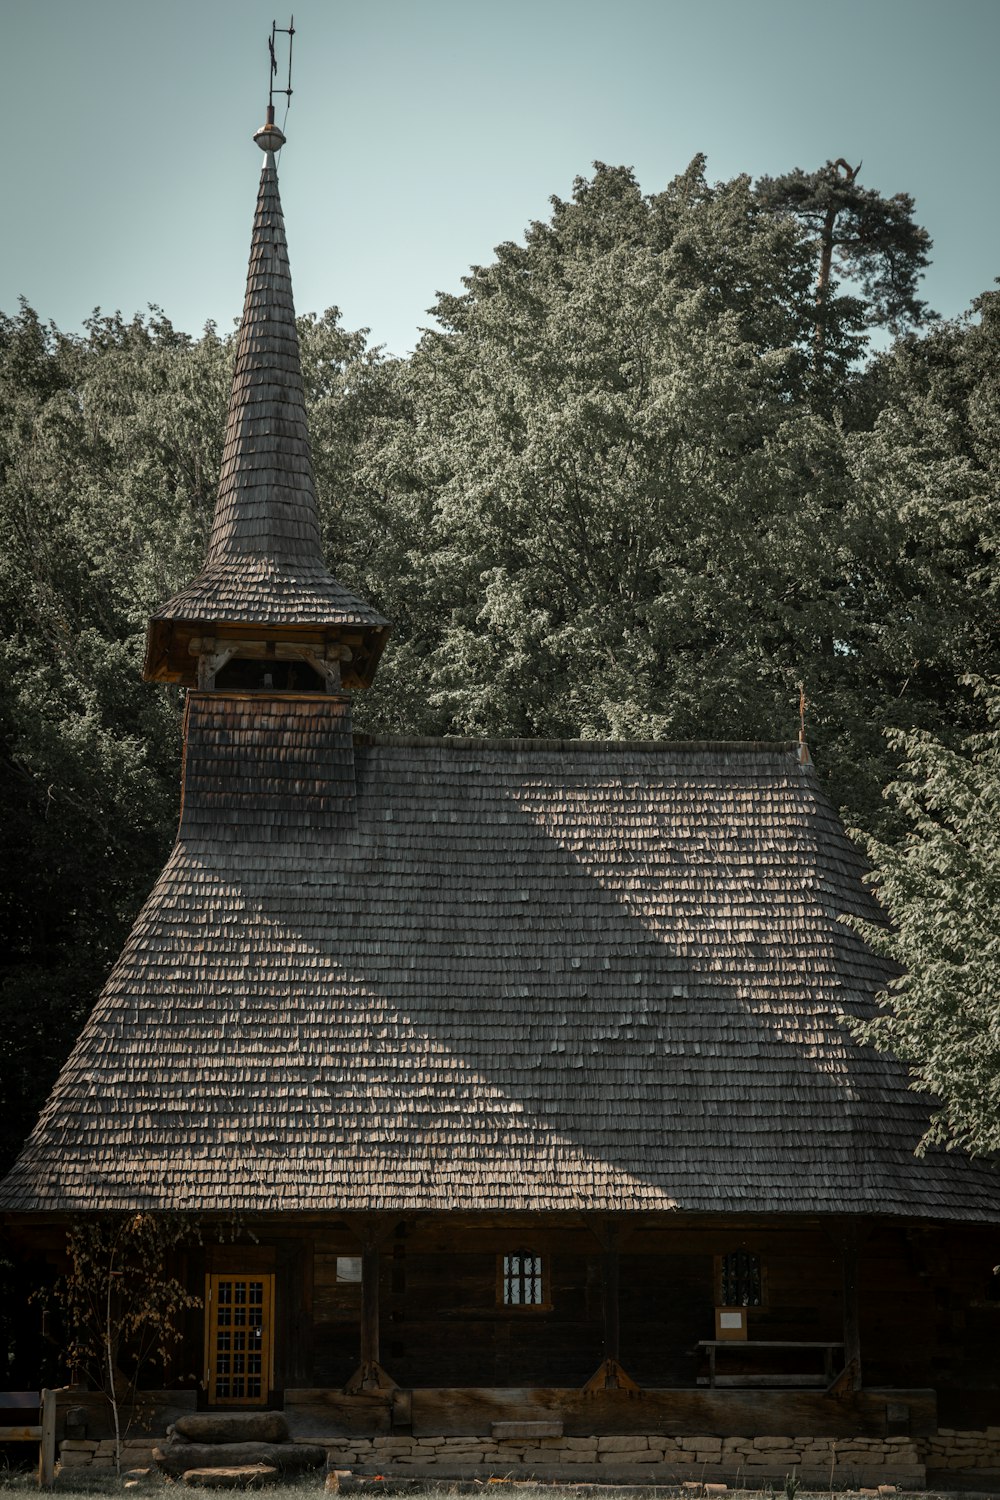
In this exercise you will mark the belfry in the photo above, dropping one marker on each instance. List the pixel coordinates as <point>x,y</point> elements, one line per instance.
<point>516,1072</point>
<point>265,611</point>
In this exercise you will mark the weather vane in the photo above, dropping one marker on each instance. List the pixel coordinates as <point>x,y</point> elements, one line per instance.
<point>269,137</point>
<point>288,31</point>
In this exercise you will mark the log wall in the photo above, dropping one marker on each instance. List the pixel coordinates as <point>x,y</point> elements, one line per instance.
<point>929,1305</point>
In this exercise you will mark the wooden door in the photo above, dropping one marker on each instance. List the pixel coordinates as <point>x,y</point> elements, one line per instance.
<point>239,1342</point>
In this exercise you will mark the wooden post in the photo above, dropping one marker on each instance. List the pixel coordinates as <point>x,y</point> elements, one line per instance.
<point>369,1309</point>
<point>852,1317</point>
<point>372,1231</point>
<point>47,1448</point>
<point>610,1279</point>
<point>609,1376</point>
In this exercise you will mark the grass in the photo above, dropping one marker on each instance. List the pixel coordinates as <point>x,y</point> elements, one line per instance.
<point>82,1486</point>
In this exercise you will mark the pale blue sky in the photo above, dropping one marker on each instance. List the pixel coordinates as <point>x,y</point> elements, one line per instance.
<point>424,132</point>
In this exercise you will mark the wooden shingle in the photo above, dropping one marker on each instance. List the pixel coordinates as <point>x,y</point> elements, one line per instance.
<point>418,974</point>
<point>265,564</point>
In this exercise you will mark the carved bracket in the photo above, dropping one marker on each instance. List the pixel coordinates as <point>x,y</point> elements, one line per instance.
<point>211,662</point>
<point>609,1376</point>
<point>369,1377</point>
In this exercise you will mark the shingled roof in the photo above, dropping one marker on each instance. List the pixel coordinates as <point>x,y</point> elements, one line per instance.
<point>265,564</point>
<point>455,974</point>
<point>481,975</point>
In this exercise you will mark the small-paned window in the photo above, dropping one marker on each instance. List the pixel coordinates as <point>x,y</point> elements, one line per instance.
<point>348,1267</point>
<point>741,1279</point>
<point>522,1280</point>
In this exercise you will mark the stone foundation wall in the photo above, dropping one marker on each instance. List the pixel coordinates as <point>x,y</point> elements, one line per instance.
<point>949,1449</point>
<point>828,1462</point>
<point>842,1462</point>
<point>79,1453</point>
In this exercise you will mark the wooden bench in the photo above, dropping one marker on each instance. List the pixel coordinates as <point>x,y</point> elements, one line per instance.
<point>41,1404</point>
<point>22,1403</point>
<point>820,1380</point>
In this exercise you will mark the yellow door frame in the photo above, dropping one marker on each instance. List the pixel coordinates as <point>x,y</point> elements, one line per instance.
<point>239,1337</point>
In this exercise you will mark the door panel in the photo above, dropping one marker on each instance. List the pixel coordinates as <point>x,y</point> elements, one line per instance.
<point>239,1351</point>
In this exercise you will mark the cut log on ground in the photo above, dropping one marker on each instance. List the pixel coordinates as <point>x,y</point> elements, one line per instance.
<point>288,1458</point>
<point>234,1477</point>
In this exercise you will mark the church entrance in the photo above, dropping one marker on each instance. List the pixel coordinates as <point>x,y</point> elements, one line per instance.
<point>239,1338</point>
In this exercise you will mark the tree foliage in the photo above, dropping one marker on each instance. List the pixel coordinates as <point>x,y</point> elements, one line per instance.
<point>108,448</point>
<point>123,1304</point>
<point>630,510</point>
<point>874,241</point>
<point>940,886</point>
<point>595,436</point>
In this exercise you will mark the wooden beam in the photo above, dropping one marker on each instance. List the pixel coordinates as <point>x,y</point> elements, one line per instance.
<point>368,1381</point>
<point>370,1351</point>
<point>850,1261</point>
<point>339,1413</point>
<point>610,1287</point>
<point>328,670</point>
<point>47,1448</point>
<point>773,1382</point>
<point>209,663</point>
<point>726,1413</point>
<point>609,1376</point>
<point>276,650</point>
<point>373,1232</point>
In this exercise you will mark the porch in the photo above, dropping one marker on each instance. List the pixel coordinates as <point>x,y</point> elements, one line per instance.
<point>370,1304</point>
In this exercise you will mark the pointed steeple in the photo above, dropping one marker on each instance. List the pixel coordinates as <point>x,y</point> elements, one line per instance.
<point>264,575</point>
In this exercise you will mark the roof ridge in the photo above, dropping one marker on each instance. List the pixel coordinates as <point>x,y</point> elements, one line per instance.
<point>646,747</point>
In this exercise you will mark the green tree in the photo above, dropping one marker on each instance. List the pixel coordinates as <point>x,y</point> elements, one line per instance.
<point>590,445</point>
<point>124,1304</point>
<point>924,584</point>
<point>874,242</point>
<point>940,886</point>
<point>108,452</point>
<point>629,511</point>
<point>357,401</point>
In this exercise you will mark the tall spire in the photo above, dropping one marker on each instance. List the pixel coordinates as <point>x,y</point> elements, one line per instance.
<point>264,567</point>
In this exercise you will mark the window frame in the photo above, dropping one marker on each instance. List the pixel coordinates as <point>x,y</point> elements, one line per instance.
<point>544,1275</point>
<point>720,1278</point>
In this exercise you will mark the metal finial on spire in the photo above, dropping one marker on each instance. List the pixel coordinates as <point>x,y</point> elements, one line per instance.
<point>269,137</point>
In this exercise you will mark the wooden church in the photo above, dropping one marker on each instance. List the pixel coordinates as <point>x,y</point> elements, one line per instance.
<point>523,1067</point>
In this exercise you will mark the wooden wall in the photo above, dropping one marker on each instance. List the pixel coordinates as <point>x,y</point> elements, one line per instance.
<point>929,1304</point>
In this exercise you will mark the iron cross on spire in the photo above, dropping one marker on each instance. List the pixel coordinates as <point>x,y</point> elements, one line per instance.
<point>288,31</point>
<point>269,138</point>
